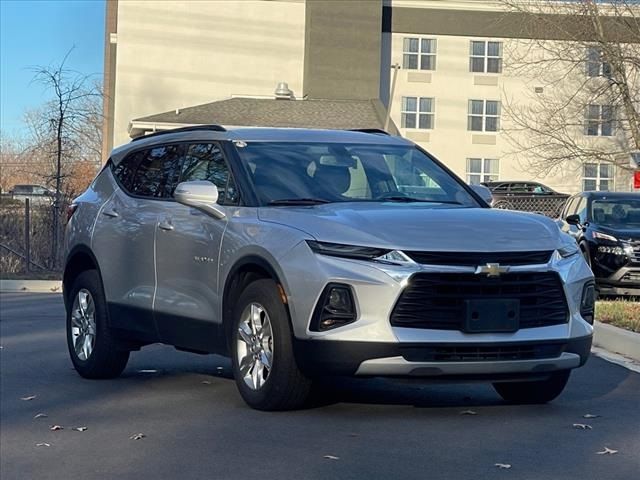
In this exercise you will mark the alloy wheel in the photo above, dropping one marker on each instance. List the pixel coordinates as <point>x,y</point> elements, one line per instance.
<point>83,324</point>
<point>254,347</point>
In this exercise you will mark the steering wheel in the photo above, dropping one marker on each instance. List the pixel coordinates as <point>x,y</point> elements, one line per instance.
<point>391,194</point>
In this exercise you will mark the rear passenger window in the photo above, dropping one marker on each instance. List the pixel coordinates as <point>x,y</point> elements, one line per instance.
<point>150,173</point>
<point>205,161</point>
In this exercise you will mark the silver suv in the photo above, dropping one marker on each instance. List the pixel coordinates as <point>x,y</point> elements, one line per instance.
<point>305,253</point>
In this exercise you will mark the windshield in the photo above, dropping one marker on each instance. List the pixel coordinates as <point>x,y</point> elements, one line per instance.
<point>616,213</point>
<point>309,173</point>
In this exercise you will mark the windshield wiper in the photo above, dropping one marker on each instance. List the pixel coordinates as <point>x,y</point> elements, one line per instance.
<point>401,198</point>
<point>299,201</point>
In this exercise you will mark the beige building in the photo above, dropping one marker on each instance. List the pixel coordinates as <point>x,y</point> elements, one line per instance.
<point>175,63</point>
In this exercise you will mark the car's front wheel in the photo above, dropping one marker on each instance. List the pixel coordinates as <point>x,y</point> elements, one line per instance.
<point>94,351</point>
<point>264,365</point>
<point>539,391</point>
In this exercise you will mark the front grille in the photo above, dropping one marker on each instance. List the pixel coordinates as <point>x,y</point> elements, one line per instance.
<point>481,353</point>
<point>437,300</point>
<point>480,258</point>
<point>631,277</point>
<point>635,256</point>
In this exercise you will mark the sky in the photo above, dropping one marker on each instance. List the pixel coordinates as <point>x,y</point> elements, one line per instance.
<point>41,32</point>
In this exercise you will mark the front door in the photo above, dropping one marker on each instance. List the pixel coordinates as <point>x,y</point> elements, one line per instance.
<point>187,256</point>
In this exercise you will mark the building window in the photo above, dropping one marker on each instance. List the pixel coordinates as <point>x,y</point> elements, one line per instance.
<point>598,121</point>
<point>419,54</point>
<point>418,112</point>
<point>595,66</point>
<point>597,176</point>
<point>484,115</point>
<point>481,170</point>
<point>486,57</point>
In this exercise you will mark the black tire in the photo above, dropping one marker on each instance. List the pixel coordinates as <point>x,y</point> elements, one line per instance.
<point>539,391</point>
<point>108,359</point>
<point>285,387</point>
<point>502,205</point>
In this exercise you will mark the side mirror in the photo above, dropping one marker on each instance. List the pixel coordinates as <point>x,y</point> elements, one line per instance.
<point>200,194</point>
<point>484,193</point>
<point>573,220</point>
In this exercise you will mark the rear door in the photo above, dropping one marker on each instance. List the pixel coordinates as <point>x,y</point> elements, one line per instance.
<point>124,236</point>
<point>187,261</point>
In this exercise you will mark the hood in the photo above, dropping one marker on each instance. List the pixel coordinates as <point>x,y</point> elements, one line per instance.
<point>631,233</point>
<point>419,226</point>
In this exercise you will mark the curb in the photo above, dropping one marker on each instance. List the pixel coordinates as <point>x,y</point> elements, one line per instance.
<point>31,286</point>
<point>617,340</point>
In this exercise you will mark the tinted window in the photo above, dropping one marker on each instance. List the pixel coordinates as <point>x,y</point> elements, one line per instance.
<point>205,161</point>
<point>150,173</point>
<point>582,210</point>
<point>569,208</point>
<point>616,212</point>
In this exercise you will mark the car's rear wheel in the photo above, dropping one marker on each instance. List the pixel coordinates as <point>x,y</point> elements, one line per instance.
<point>539,391</point>
<point>264,365</point>
<point>94,351</point>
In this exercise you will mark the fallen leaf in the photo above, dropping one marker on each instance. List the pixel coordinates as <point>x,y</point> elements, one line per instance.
<point>206,382</point>
<point>40,415</point>
<point>137,436</point>
<point>56,427</point>
<point>55,289</point>
<point>79,429</point>
<point>582,426</point>
<point>354,434</point>
<point>506,466</point>
<point>468,412</point>
<point>590,415</point>
<point>43,444</point>
<point>150,370</point>
<point>30,397</point>
<point>331,457</point>
<point>607,451</point>
<point>24,289</point>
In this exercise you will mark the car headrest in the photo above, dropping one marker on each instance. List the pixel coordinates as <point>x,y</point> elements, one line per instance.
<point>598,215</point>
<point>335,179</point>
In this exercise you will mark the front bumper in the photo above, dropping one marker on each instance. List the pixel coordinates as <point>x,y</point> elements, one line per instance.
<point>622,282</point>
<point>319,358</point>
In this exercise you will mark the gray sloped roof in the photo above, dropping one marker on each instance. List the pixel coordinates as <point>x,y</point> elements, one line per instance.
<point>260,112</point>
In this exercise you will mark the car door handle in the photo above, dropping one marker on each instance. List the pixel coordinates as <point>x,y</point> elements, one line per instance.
<point>165,226</point>
<point>111,213</point>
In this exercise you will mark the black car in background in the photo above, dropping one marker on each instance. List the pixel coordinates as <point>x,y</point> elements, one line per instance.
<point>606,225</point>
<point>526,196</point>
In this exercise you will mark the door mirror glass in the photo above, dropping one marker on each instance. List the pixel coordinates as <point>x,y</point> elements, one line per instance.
<point>573,219</point>
<point>484,193</point>
<point>200,194</point>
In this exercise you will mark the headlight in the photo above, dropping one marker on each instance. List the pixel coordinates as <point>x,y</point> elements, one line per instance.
<point>569,249</point>
<point>604,236</point>
<point>346,251</point>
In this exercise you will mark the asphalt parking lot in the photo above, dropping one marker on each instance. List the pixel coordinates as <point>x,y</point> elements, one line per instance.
<point>195,424</point>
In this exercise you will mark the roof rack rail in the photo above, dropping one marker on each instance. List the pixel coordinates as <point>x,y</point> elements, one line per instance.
<point>215,128</point>
<point>376,131</point>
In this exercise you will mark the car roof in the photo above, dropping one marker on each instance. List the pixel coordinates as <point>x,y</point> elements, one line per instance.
<point>603,195</point>
<point>260,134</point>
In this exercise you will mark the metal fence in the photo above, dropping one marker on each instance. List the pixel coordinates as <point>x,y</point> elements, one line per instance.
<point>28,242</point>
<point>549,206</point>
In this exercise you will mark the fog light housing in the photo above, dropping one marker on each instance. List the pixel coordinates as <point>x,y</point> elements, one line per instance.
<point>588,302</point>
<point>335,308</point>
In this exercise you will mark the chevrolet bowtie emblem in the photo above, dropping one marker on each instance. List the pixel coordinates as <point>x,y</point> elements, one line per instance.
<point>492,269</point>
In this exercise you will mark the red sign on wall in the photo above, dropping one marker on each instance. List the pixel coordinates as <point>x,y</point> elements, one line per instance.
<point>636,180</point>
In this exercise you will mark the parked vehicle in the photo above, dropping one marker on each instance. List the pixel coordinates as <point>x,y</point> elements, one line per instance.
<point>527,196</point>
<point>305,253</point>
<point>35,193</point>
<point>606,225</point>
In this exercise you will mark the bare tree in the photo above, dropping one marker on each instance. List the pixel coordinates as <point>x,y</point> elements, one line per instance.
<point>64,130</point>
<point>584,57</point>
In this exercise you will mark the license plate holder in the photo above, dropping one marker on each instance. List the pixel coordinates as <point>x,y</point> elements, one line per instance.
<point>491,316</point>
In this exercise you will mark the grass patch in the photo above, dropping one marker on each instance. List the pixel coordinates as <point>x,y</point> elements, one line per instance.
<point>620,313</point>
